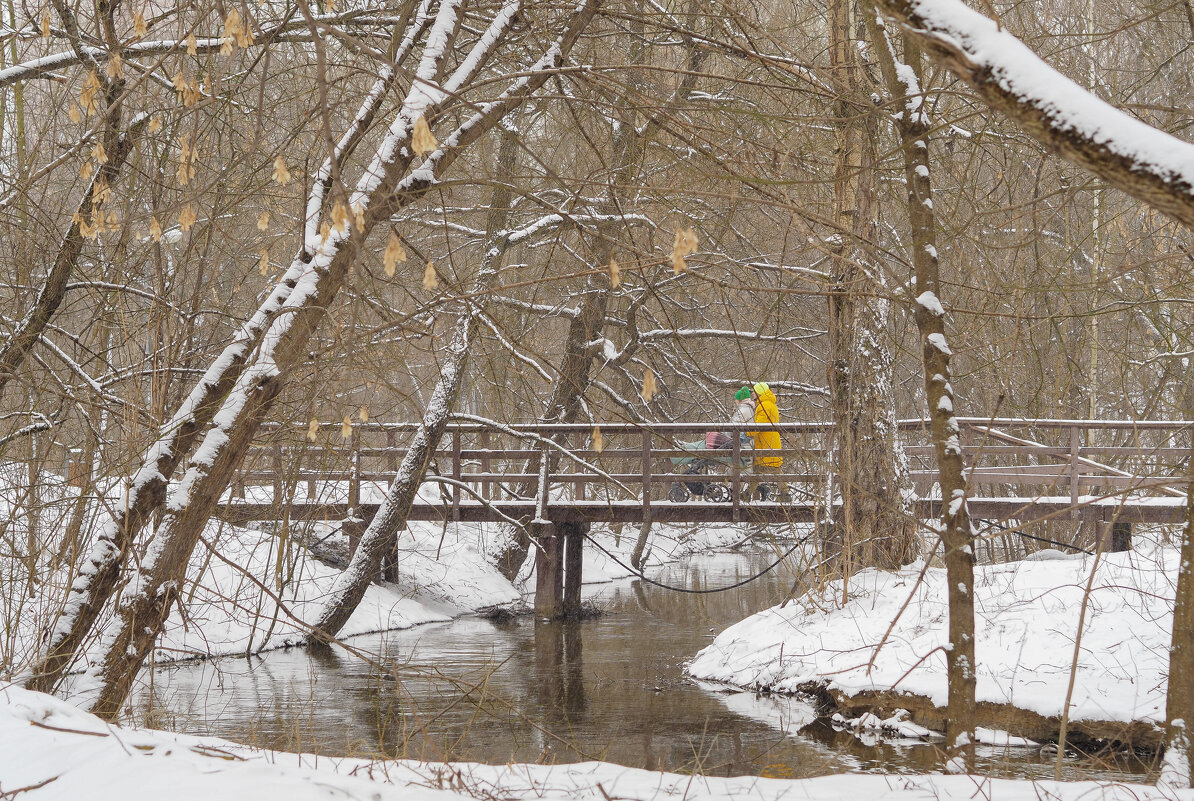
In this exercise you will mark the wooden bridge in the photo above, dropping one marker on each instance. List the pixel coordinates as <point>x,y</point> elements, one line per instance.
<point>1019,470</point>
<point>559,479</point>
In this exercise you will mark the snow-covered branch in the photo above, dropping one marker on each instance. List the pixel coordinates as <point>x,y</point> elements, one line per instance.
<point>1131,155</point>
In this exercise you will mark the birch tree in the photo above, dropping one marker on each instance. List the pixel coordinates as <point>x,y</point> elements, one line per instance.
<point>902,78</point>
<point>331,244</point>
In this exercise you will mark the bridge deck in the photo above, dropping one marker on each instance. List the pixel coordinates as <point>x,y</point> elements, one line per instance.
<point>1143,510</point>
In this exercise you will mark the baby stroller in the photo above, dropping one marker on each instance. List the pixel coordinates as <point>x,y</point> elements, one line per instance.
<point>709,457</point>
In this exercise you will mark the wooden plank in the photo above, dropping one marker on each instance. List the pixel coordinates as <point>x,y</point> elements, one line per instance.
<point>456,474</point>
<point>486,465</point>
<point>699,512</point>
<point>299,429</point>
<point>1075,445</point>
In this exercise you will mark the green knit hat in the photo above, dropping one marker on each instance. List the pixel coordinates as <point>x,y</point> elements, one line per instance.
<point>742,394</point>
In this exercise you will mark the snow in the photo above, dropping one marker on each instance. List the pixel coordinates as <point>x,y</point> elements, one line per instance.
<point>938,342</point>
<point>52,750</point>
<point>483,47</point>
<point>1026,614</point>
<point>931,303</point>
<point>1175,766</point>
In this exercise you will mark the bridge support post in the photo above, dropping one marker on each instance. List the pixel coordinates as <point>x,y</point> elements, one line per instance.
<point>549,571</point>
<point>574,541</point>
<point>353,528</point>
<point>1115,537</point>
<point>558,569</point>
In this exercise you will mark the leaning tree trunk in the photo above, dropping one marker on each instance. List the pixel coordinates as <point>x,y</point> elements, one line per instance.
<point>383,189</point>
<point>874,525</point>
<point>912,125</point>
<point>145,492</point>
<point>379,538</point>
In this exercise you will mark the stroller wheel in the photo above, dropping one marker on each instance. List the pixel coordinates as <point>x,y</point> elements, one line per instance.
<point>677,494</point>
<point>717,493</point>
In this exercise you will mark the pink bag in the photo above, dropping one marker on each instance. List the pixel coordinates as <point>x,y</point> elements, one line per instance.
<point>716,440</point>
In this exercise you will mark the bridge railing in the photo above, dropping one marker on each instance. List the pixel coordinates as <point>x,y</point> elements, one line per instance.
<point>655,466</point>
<point>607,463</point>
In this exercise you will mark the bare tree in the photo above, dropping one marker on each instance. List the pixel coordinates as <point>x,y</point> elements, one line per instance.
<point>874,525</point>
<point>1130,155</point>
<point>902,78</point>
<point>386,185</point>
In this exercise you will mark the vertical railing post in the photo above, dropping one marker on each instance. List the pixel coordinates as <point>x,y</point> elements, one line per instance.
<point>578,485</point>
<point>457,472</point>
<point>391,451</point>
<point>1075,444</point>
<point>486,465</point>
<point>646,477</point>
<point>354,477</point>
<point>736,476</point>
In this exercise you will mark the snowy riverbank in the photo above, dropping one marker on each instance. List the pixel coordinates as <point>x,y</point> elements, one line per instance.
<point>252,590</point>
<point>1026,622</point>
<point>49,750</point>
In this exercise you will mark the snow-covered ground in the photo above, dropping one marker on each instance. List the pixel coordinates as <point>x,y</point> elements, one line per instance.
<point>1026,622</point>
<point>50,750</point>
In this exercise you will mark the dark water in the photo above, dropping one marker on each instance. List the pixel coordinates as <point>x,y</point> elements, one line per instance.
<point>611,688</point>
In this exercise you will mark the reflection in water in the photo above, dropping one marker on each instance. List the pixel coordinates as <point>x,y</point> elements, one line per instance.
<point>610,688</point>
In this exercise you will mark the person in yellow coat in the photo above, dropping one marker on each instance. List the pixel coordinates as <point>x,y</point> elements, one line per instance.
<point>766,411</point>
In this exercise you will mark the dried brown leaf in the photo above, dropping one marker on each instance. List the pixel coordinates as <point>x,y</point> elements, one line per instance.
<point>648,385</point>
<point>339,217</point>
<point>422,140</point>
<point>394,255</point>
<point>281,173</point>
<point>187,217</point>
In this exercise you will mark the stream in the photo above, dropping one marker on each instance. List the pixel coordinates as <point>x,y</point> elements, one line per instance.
<point>609,688</point>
